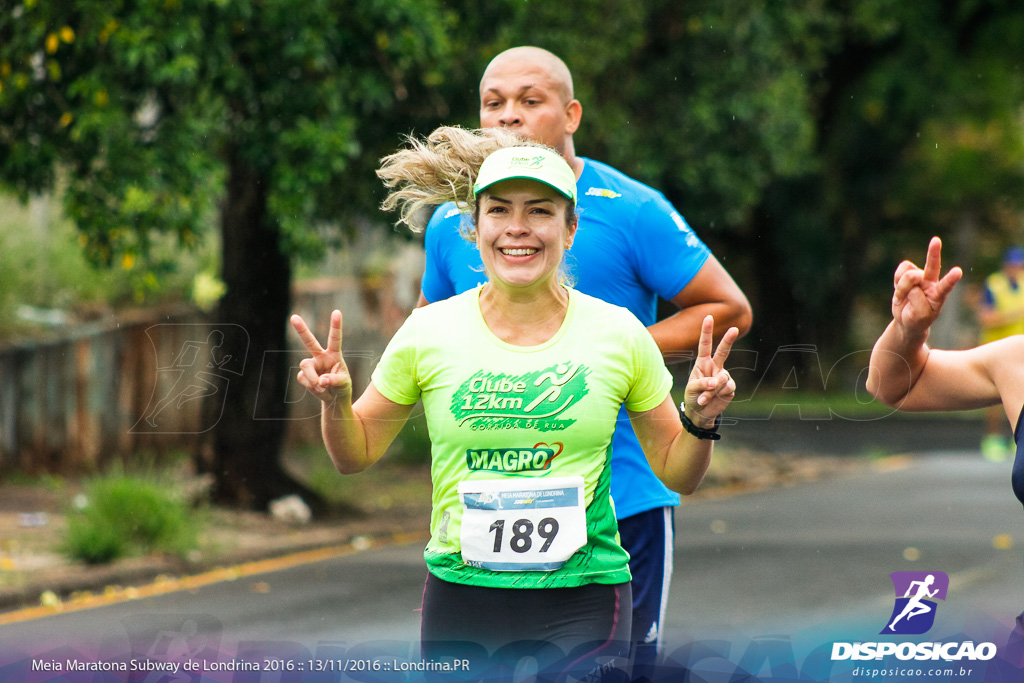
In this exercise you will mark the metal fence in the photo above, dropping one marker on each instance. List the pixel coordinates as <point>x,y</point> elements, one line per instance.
<point>76,401</point>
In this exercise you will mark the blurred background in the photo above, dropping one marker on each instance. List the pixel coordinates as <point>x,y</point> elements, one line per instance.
<point>183,174</point>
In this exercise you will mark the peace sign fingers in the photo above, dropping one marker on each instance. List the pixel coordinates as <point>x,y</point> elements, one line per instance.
<point>725,346</point>
<point>705,342</point>
<point>708,362</point>
<point>933,261</point>
<point>325,375</point>
<point>306,335</point>
<point>945,285</point>
<point>334,336</point>
<point>919,294</point>
<point>933,266</point>
<point>709,381</point>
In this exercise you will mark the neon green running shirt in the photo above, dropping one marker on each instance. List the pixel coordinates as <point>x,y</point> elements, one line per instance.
<point>527,432</point>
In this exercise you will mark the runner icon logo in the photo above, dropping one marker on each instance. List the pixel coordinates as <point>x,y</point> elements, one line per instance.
<point>916,593</point>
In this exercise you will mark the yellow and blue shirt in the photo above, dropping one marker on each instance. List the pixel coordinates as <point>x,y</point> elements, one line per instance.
<point>1003,295</point>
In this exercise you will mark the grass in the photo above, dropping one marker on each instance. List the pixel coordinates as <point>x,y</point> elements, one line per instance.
<point>400,479</point>
<point>120,514</point>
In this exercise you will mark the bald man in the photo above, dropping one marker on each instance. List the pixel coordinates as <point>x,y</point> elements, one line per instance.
<point>631,247</point>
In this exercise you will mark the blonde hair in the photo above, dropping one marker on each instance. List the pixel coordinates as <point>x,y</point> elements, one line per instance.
<point>441,168</point>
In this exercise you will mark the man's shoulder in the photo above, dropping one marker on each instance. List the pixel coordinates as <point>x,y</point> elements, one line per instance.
<point>446,227</point>
<point>610,193</point>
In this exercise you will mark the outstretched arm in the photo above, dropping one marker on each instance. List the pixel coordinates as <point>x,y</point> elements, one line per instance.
<point>676,456</point>
<point>901,353</point>
<point>356,435</point>
<point>712,291</point>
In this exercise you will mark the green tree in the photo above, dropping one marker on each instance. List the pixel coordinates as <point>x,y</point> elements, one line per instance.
<point>161,111</point>
<point>710,102</point>
<point>893,77</point>
<point>799,138</point>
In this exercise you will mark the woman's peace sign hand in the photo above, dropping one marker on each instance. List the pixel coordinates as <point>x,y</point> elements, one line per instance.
<point>325,375</point>
<point>710,387</point>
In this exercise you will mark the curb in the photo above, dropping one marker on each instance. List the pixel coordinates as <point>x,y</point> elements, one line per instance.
<point>135,577</point>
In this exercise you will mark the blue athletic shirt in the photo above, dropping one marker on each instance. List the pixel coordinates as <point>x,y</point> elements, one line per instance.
<point>631,246</point>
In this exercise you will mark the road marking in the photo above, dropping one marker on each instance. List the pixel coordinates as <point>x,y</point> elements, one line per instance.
<point>164,585</point>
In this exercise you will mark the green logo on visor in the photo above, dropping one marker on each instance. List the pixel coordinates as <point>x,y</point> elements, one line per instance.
<point>526,162</point>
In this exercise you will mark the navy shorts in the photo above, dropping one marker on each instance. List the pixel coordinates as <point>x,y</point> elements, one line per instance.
<point>649,538</point>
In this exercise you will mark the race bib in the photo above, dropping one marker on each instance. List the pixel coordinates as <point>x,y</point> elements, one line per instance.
<point>522,524</point>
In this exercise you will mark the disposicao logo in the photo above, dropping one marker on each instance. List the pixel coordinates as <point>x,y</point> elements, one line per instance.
<point>913,613</point>
<point>916,593</point>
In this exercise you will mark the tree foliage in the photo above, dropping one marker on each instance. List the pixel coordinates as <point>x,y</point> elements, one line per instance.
<point>142,103</point>
<point>159,110</point>
<point>811,143</point>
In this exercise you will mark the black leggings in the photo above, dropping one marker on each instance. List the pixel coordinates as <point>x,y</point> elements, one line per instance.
<point>563,630</point>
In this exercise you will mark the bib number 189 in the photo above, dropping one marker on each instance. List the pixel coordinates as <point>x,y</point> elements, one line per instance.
<point>521,540</point>
<point>522,524</point>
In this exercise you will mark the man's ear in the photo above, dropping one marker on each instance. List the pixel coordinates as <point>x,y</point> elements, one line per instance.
<point>573,114</point>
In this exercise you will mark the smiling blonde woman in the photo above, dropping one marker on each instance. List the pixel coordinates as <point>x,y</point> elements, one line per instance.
<point>521,380</point>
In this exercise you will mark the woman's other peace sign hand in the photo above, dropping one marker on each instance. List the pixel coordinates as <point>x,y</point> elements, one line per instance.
<point>325,374</point>
<point>710,387</point>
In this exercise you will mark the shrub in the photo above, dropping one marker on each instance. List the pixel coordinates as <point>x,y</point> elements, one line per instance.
<point>126,514</point>
<point>92,542</point>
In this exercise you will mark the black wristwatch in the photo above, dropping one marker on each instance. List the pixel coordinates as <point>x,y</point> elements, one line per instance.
<point>699,432</point>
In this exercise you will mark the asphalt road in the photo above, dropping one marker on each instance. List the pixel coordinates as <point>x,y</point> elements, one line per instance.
<point>803,564</point>
<point>819,429</point>
<point>819,555</point>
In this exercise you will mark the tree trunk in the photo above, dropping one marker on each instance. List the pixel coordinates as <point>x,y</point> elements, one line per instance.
<point>248,436</point>
<point>776,310</point>
<point>801,321</point>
